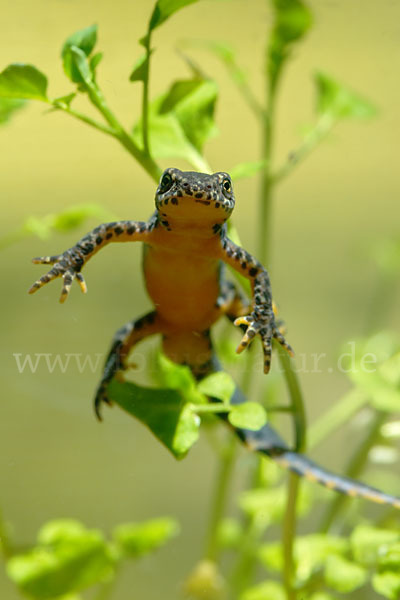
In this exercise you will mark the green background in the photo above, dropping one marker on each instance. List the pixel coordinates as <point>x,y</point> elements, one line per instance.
<point>55,459</point>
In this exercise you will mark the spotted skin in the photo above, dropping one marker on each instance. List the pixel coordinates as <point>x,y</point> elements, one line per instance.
<point>185,246</point>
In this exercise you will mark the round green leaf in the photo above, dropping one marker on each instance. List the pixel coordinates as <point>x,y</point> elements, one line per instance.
<point>23,81</point>
<point>248,415</point>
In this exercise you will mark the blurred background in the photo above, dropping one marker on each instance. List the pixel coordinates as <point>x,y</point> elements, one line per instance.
<point>55,459</point>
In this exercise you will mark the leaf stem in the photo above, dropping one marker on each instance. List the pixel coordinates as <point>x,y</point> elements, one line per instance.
<point>296,398</point>
<point>339,414</point>
<point>97,99</point>
<point>145,96</point>
<point>85,119</point>
<point>227,460</point>
<point>6,547</point>
<point>289,535</point>
<point>310,142</point>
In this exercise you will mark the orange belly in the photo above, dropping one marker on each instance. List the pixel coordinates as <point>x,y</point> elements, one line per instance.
<point>184,288</point>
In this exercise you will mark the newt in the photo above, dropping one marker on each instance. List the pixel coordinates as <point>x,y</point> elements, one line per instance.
<point>186,248</point>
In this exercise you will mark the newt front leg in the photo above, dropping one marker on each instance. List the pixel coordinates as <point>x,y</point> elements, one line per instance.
<point>68,265</point>
<point>261,321</point>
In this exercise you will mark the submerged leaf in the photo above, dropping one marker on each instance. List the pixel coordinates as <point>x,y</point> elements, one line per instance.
<point>68,558</point>
<point>343,575</point>
<point>249,415</point>
<point>218,385</point>
<point>387,584</point>
<point>139,539</point>
<point>267,590</point>
<point>163,411</point>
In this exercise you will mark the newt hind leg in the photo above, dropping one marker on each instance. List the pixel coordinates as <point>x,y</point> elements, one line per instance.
<point>124,340</point>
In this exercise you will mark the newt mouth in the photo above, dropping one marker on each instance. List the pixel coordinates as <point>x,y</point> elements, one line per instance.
<point>206,202</point>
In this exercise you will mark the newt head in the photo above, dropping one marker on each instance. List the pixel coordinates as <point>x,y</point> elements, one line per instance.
<point>187,196</point>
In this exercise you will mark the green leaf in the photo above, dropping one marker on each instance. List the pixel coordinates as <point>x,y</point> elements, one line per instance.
<point>7,108</point>
<point>85,40</point>
<point>292,21</point>
<point>247,169</point>
<point>139,539</point>
<point>218,385</point>
<point>249,415</point>
<point>387,584</point>
<point>267,590</point>
<point>368,543</point>
<point>165,9</point>
<point>181,121</point>
<point>322,596</point>
<point>65,221</point>
<point>343,575</point>
<point>74,216</point>
<point>24,82</point>
<point>178,377</point>
<point>95,61</point>
<point>268,505</point>
<point>310,551</point>
<point>339,102</point>
<point>163,411</point>
<point>68,558</point>
<point>230,532</point>
<point>64,100</point>
<point>193,102</point>
<point>139,72</point>
<point>168,140</point>
<point>80,66</point>
<point>373,365</point>
<point>389,557</point>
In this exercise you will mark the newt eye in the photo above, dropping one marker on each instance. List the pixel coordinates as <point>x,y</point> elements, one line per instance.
<point>226,184</point>
<point>166,183</point>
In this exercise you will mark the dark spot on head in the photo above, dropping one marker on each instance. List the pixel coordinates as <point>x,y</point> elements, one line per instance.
<point>131,230</point>
<point>166,201</point>
<point>216,227</point>
<point>99,240</point>
<point>118,230</point>
<point>217,205</point>
<point>253,272</point>
<point>198,195</point>
<point>142,227</point>
<point>174,201</point>
<point>179,193</point>
<point>243,265</point>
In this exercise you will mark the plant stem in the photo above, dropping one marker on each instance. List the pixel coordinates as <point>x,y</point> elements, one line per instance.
<point>289,534</point>
<point>289,520</point>
<point>98,100</point>
<point>6,547</point>
<point>220,496</point>
<point>265,203</point>
<point>296,398</point>
<point>354,468</point>
<point>310,142</point>
<point>339,414</point>
<point>84,118</point>
<point>145,96</point>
